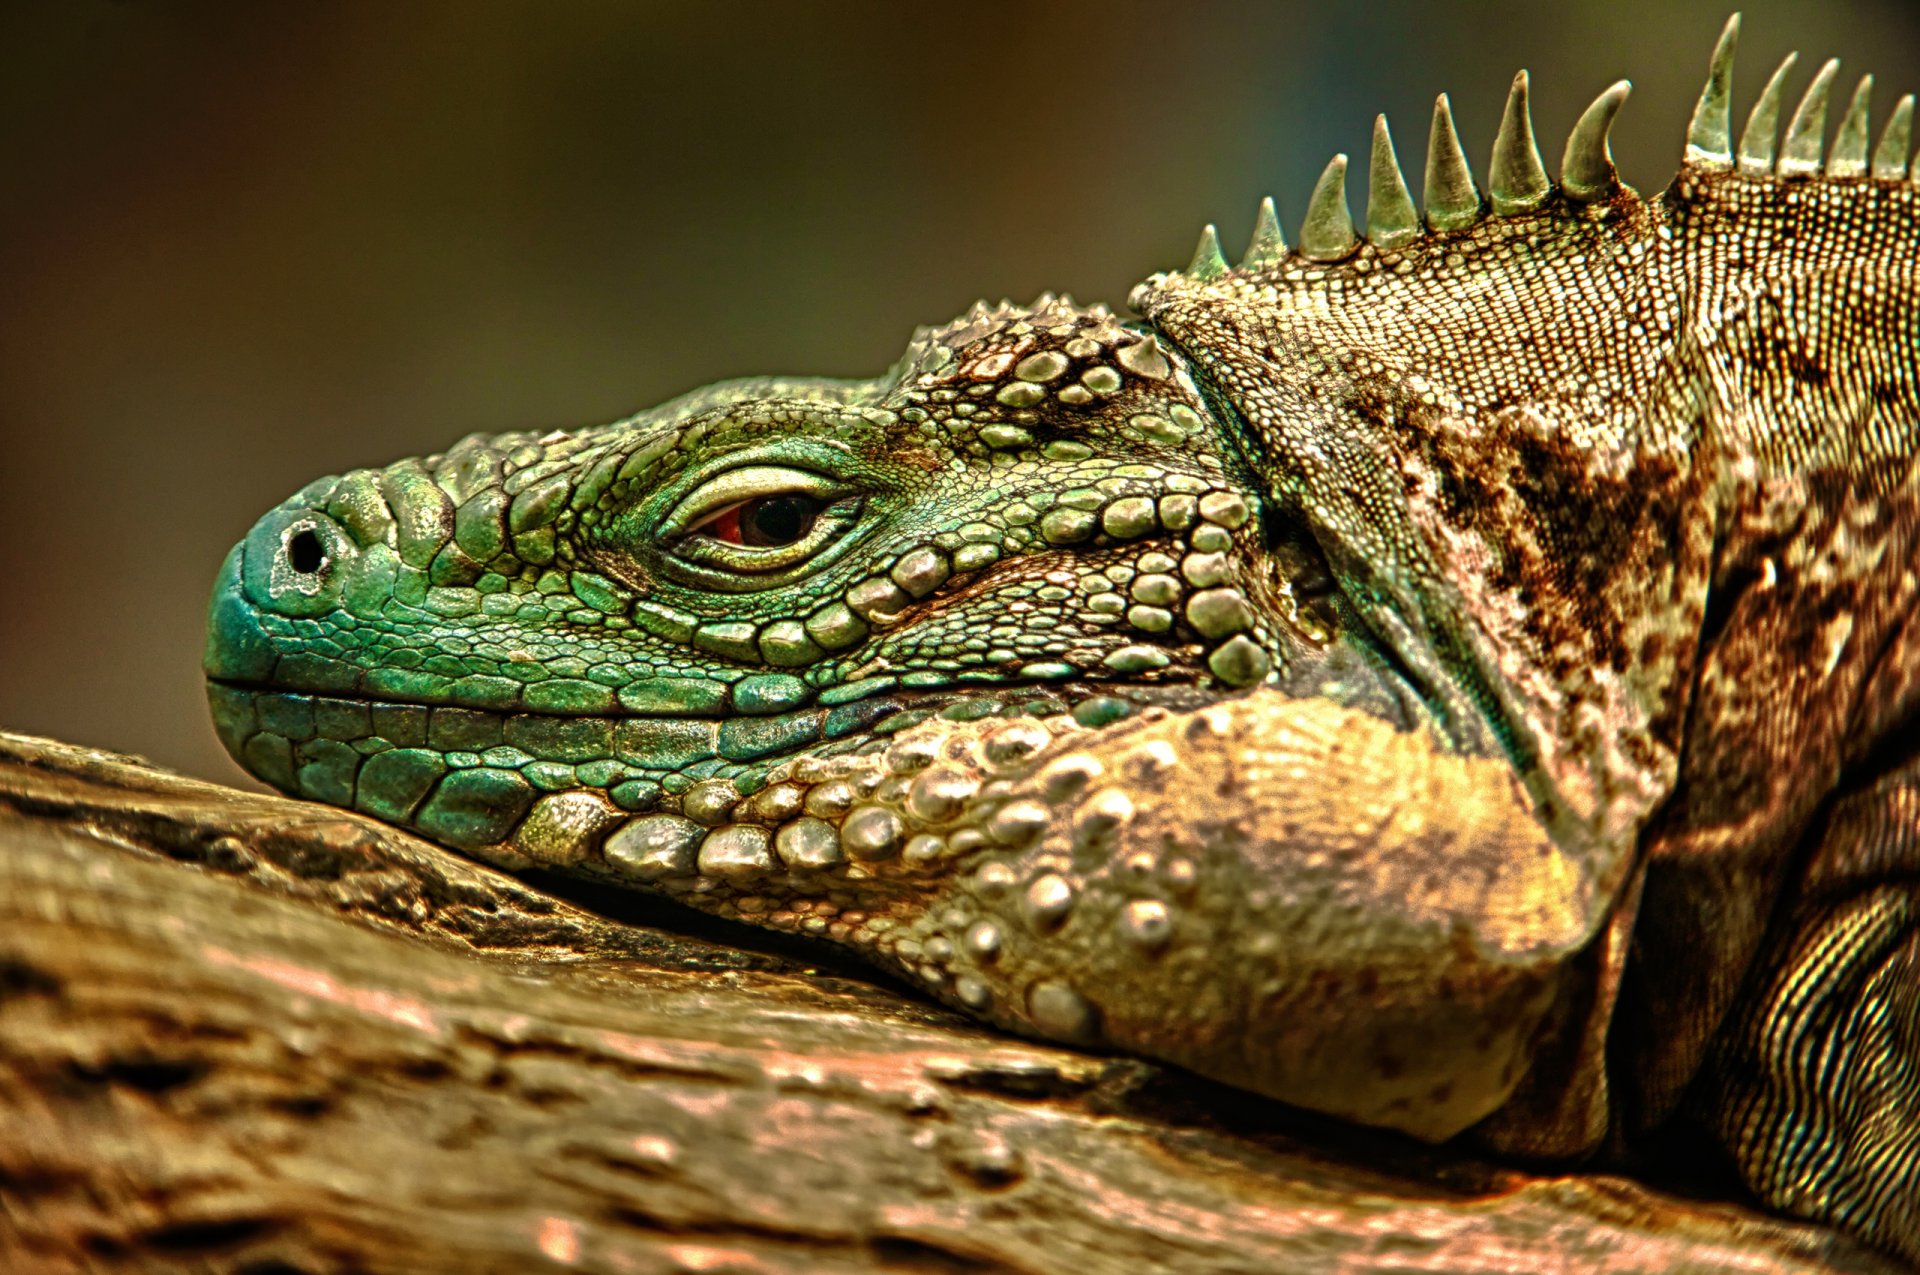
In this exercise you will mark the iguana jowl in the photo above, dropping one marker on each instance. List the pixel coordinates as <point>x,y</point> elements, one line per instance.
<point>1461,678</point>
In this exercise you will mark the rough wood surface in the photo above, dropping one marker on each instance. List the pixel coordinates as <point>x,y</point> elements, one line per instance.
<point>240,1033</point>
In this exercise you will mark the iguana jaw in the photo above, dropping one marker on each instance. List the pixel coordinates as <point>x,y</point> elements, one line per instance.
<point>1268,890</point>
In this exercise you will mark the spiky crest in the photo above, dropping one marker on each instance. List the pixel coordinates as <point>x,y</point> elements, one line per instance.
<point>1208,263</point>
<point>1517,180</point>
<point>1762,133</point>
<point>1807,130</point>
<point>1710,135</point>
<point>1268,246</point>
<point>1453,201</point>
<point>1328,234</point>
<point>1849,155</point>
<point>1586,169</point>
<point>1518,184</point>
<point>1391,217</point>
<point>1890,156</point>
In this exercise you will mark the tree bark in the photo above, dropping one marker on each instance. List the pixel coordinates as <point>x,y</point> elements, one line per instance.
<point>242,1033</point>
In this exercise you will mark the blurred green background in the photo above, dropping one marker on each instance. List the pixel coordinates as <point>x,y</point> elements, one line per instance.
<point>243,245</point>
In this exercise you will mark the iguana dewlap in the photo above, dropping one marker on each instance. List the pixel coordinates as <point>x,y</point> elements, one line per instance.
<point>1459,676</point>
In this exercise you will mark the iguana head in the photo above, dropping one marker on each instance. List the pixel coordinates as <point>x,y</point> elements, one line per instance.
<point>515,645</point>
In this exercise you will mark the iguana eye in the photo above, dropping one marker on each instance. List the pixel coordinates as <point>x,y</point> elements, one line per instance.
<point>764,522</point>
<point>759,519</point>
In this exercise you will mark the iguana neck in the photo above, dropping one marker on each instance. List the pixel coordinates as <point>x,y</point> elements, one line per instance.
<point>1521,443</point>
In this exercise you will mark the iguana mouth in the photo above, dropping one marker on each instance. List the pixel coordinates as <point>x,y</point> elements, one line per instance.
<point>322,746</point>
<point>978,698</point>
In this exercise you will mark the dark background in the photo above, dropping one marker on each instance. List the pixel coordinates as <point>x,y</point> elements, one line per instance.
<point>243,245</point>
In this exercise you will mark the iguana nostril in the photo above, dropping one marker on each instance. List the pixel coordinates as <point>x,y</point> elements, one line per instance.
<point>305,553</point>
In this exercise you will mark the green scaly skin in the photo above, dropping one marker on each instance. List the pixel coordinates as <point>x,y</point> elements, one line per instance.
<point>1461,679</point>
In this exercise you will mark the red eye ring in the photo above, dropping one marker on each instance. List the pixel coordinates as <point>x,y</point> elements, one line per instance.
<point>726,527</point>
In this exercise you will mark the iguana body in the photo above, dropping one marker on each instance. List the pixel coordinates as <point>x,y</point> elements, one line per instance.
<point>1461,680</point>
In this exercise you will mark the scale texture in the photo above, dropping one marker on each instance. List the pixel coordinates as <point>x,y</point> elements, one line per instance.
<point>1457,674</point>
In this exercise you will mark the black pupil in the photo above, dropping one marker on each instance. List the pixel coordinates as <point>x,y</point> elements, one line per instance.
<point>777,520</point>
<point>304,552</point>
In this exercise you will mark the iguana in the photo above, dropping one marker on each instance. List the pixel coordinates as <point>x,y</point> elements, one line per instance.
<point>1460,677</point>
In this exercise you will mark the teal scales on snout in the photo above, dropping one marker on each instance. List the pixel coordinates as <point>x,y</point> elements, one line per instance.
<point>1458,674</point>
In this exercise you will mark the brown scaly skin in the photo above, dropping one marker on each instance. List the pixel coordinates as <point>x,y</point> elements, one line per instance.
<point>1461,680</point>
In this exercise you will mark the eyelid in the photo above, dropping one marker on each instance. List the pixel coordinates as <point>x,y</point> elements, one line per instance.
<point>720,493</point>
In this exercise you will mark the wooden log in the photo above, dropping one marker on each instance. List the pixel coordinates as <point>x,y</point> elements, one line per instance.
<point>242,1033</point>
